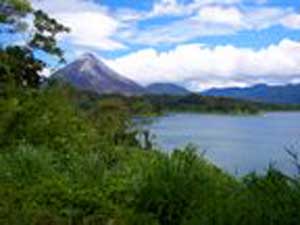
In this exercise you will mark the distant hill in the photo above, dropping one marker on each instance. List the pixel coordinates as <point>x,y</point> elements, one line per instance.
<point>287,94</point>
<point>166,89</point>
<point>91,74</point>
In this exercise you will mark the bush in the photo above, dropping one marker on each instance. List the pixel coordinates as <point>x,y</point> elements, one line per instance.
<point>64,165</point>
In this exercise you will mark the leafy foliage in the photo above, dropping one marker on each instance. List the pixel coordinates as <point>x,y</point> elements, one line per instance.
<point>65,163</point>
<point>46,30</point>
<point>19,67</point>
<point>10,9</point>
<point>18,64</point>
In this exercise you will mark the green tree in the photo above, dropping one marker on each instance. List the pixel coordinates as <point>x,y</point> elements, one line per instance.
<point>18,64</point>
<point>12,10</point>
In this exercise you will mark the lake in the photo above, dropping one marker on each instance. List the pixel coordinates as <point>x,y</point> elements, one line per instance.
<point>238,144</point>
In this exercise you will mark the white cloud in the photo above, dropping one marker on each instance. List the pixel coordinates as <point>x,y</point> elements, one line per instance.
<point>179,8</point>
<point>265,17</point>
<point>176,32</point>
<point>166,7</point>
<point>227,16</point>
<point>96,31</point>
<point>95,26</point>
<point>292,21</point>
<point>199,67</point>
<point>90,23</point>
<point>210,20</point>
<point>128,15</point>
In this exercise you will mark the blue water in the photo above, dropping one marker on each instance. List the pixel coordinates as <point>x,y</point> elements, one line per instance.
<point>238,144</point>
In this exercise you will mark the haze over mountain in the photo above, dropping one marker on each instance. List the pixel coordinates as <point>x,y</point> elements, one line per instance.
<point>285,94</point>
<point>166,89</point>
<point>90,73</point>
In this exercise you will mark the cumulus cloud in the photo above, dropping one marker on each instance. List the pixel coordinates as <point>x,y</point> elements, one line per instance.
<point>99,27</point>
<point>96,30</point>
<point>200,67</point>
<point>90,23</point>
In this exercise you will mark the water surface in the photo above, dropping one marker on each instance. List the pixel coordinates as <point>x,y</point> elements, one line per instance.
<point>238,144</point>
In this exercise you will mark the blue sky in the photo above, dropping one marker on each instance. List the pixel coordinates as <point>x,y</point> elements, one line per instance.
<point>195,43</point>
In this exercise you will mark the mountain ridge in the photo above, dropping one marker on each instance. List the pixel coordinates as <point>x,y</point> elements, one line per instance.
<point>90,73</point>
<point>280,94</point>
<point>166,89</point>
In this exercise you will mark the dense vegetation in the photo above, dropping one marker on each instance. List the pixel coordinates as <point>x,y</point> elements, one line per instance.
<point>67,158</point>
<point>198,103</point>
<point>61,163</point>
<point>149,105</point>
<point>191,103</point>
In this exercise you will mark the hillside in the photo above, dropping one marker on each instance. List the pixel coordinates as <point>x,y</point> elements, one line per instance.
<point>91,74</point>
<point>166,89</point>
<point>287,94</point>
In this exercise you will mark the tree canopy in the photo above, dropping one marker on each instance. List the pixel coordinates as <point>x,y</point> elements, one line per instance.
<point>10,10</point>
<point>18,64</point>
